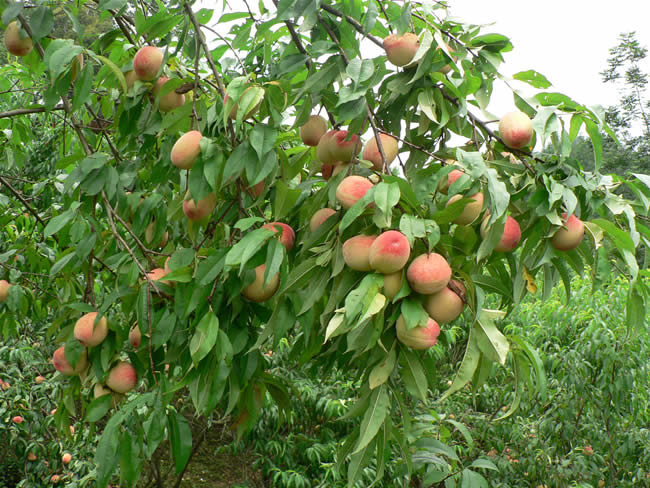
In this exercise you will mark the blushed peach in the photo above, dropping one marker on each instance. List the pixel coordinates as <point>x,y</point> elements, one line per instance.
<point>392,284</point>
<point>200,210</point>
<point>356,252</point>
<point>320,217</point>
<point>352,189</point>
<point>4,290</point>
<point>287,235</point>
<point>186,150</point>
<point>338,145</point>
<point>89,333</point>
<point>122,377</point>
<point>516,129</point>
<point>428,273</point>
<point>135,336</point>
<point>419,337</point>
<point>17,45</point>
<point>169,101</point>
<point>472,209</point>
<point>147,62</point>
<point>453,175</point>
<point>510,237</point>
<point>570,235</point>
<point>389,252</point>
<point>371,151</point>
<point>256,291</point>
<point>313,130</point>
<point>400,50</point>
<point>64,367</point>
<point>445,305</point>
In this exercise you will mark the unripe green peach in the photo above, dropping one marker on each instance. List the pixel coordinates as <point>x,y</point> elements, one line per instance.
<point>122,377</point>
<point>516,129</point>
<point>445,305</point>
<point>4,290</point>
<point>287,235</point>
<point>186,150</point>
<point>171,100</point>
<point>147,63</point>
<point>392,284</point>
<point>15,44</point>
<point>352,189</point>
<point>338,145</point>
<point>400,50</point>
<point>428,273</point>
<point>419,337</point>
<point>320,217</point>
<point>64,367</point>
<point>570,235</point>
<point>471,211</point>
<point>510,237</point>
<point>371,151</point>
<point>200,210</point>
<point>356,252</point>
<point>256,291</point>
<point>313,130</point>
<point>389,252</point>
<point>89,333</point>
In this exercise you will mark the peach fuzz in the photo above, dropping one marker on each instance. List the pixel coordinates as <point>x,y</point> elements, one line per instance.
<point>392,284</point>
<point>64,367</point>
<point>472,209</point>
<point>147,62</point>
<point>287,235</point>
<point>89,332</point>
<point>453,175</point>
<point>356,252</point>
<point>510,237</point>
<point>401,50</point>
<point>313,130</point>
<point>445,305</point>
<point>200,210</point>
<point>320,217</point>
<point>256,291</point>
<point>419,337</point>
<point>352,189</point>
<point>570,235</point>
<point>390,252</point>
<point>516,129</point>
<point>4,290</point>
<point>186,150</point>
<point>171,100</point>
<point>428,273</point>
<point>338,145</point>
<point>371,151</point>
<point>122,377</point>
<point>15,44</point>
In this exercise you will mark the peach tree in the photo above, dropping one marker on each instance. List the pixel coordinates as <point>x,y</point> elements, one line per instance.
<point>190,188</point>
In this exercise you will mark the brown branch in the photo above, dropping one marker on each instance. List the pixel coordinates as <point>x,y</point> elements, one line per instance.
<point>359,28</point>
<point>27,111</point>
<point>23,201</point>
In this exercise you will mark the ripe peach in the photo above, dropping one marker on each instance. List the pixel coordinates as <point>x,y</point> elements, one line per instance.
<point>313,130</point>
<point>256,291</point>
<point>356,252</point>
<point>147,62</point>
<point>510,237</point>
<point>516,129</point>
<point>338,145</point>
<point>171,100</point>
<point>287,235</point>
<point>200,210</point>
<point>186,150</point>
<point>64,367</point>
<point>39,379</point>
<point>352,189</point>
<point>55,478</point>
<point>320,217</point>
<point>392,284</point>
<point>371,151</point>
<point>389,252</point>
<point>17,419</point>
<point>419,337</point>
<point>66,458</point>
<point>157,274</point>
<point>122,377</point>
<point>15,44</point>
<point>570,235</point>
<point>88,332</point>
<point>472,209</point>
<point>4,290</point>
<point>445,305</point>
<point>31,457</point>
<point>401,50</point>
<point>453,175</point>
<point>428,273</point>
<point>135,336</point>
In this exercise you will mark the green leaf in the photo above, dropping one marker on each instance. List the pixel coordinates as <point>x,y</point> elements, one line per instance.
<point>114,68</point>
<point>262,138</point>
<point>98,408</point>
<point>490,340</point>
<point>55,224</point>
<point>378,408</point>
<point>382,371</point>
<point>285,199</point>
<point>180,439</point>
<point>467,367</point>
<point>205,337</point>
<point>41,22</point>
<point>413,374</point>
<point>533,78</point>
<point>59,54</point>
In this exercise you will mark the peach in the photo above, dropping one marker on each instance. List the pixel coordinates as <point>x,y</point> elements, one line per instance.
<point>122,377</point>
<point>447,68</point>
<point>570,235</point>
<point>445,305</point>
<point>200,210</point>
<point>453,175</point>
<point>150,232</point>
<point>389,252</point>
<point>171,100</point>
<point>419,337</point>
<point>66,458</point>
<point>392,284</point>
<point>510,237</point>
<point>100,390</point>
<point>135,336</point>
<point>338,145</point>
<point>64,367</point>
<point>4,290</point>
<point>428,273</point>
<point>252,111</point>
<point>352,189</point>
<point>320,217</point>
<point>147,62</point>
<point>516,129</point>
<point>400,50</point>
<point>17,419</point>
<point>17,45</point>
<point>39,379</point>
<point>130,78</point>
<point>326,170</point>
<point>256,190</point>
<point>157,274</point>
<point>89,331</point>
<point>371,151</point>
<point>256,291</point>
<point>313,130</point>
<point>287,235</point>
<point>31,457</point>
<point>472,209</point>
<point>356,252</point>
<point>55,478</point>
<point>186,150</point>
